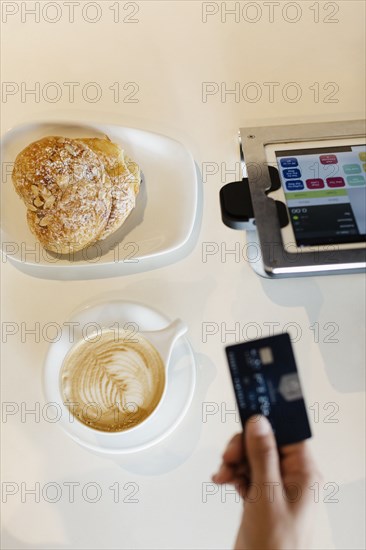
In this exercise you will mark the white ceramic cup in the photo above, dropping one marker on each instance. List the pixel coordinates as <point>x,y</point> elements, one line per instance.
<point>163,341</point>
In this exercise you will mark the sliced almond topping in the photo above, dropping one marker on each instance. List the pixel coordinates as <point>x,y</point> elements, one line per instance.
<point>62,181</point>
<point>70,149</point>
<point>31,207</point>
<point>35,190</point>
<point>49,202</point>
<point>45,221</point>
<point>38,202</point>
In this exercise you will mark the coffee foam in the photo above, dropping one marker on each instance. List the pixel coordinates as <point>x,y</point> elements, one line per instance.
<point>113,381</point>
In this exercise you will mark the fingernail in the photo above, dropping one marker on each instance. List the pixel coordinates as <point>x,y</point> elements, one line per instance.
<point>216,477</point>
<point>260,426</point>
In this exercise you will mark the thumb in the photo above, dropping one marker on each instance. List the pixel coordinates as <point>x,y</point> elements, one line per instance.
<point>261,450</point>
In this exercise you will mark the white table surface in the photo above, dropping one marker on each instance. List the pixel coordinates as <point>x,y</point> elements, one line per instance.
<point>169,52</point>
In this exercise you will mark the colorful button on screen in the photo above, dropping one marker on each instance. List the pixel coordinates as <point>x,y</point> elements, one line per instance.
<point>325,190</point>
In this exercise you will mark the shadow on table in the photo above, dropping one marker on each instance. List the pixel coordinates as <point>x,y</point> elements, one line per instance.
<point>344,368</point>
<point>347,528</point>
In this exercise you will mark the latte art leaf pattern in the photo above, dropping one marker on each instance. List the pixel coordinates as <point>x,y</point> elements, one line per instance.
<point>116,378</point>
<point>113,383</point>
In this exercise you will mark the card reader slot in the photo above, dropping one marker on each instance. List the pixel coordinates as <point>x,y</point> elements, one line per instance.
<point>236,205</point>
<point>237,208</point>
<point>275,179</point>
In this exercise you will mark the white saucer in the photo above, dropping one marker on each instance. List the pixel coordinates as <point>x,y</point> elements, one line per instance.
<point>180,385</point>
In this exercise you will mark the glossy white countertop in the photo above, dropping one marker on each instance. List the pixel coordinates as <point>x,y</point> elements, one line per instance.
<point>168,53</point>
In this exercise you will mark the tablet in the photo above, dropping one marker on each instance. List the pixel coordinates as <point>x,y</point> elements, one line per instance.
<point>323,184</point>
<point>307,186</point>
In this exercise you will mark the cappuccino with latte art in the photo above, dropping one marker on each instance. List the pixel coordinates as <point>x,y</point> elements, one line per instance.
<point>114,382</point>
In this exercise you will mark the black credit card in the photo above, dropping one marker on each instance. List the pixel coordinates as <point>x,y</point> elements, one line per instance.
<point>266,382</point>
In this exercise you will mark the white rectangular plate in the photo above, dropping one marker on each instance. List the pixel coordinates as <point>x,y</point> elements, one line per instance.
<point>161,223</point>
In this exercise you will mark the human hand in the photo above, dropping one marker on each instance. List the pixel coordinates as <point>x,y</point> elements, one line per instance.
<point>275,485</point>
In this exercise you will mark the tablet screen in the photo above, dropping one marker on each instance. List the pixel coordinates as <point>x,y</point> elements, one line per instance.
<point>325,190</point>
